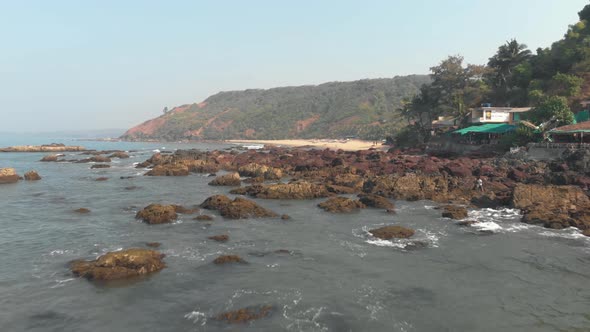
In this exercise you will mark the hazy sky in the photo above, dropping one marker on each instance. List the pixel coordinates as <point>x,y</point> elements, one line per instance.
<point>113,64</point>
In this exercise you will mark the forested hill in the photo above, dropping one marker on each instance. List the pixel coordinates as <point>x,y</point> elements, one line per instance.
<point>365,108</point>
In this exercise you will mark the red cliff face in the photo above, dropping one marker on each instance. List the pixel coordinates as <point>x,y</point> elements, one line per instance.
<point>150,127</point>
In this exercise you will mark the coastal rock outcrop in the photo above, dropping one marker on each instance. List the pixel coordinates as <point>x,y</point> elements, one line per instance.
<point>263,171</point>
<point>168,170</point>
<point>225,259</point>
<point>157,214</point>
<point>8,175</point>
<point>119,154</point>
<point>50,158</point>
<point>341,205</point>
<point>376,201</point>
<point>293,190</point>
<point>562,197</point>
<point>32,176</point>
<point>119,265</point>
<point>219,238</point>
<point>232,179</point>
<point>245,315</point>
<point>454,212</point>
<point>239,208</point>
<point>389,232</point>
<point>53,147</point>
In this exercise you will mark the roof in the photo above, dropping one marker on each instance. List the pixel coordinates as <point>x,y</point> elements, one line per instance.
<point>507,109</point>
<point>573,128</point>
<point>490,128</point>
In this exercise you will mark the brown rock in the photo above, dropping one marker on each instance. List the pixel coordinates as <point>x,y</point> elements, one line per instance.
<point>341,205</point>
<point>183,210</point>
<point>244,315</point>
<point>285,217</point>
<point>49,158</point>
<point>168,170</point>
<point>266,172</point>
<point>586,232</point>
<point>100,166</point>
<point>224,259</point>
<point>216,202</point>
<point>376,201</point>
<point>454,212</point>
<point>157,214</point>
<point>102,178</point>
<point>120,155</point>
<point>203,217</point>
<point>219,238</point>
<point>527,195</point>
<point>153,244</point>
<point>239,208</point>
<point>389,232</point>
<point>82,211</point>
<point>294,190</point>
<point>232,179</point>
<point>32,176</point>
<point>8,175</point>
<point>119,264</point>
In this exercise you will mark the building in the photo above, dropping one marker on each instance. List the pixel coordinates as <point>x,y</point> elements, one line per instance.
<point>574,133</point>
<point>489,114</point>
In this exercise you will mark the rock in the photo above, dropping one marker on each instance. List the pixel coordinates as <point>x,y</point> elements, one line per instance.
<point>255,170</point>
<point>341,205</point>
<point>465,223</point>
<point>119,264</point>
<point>153,244</point>
<point>586,232</point>
<point>540,215</point>
<point>203,217</point>
<point>102,178</point>
<point>244,315</point>
<point>131,187</point>
<point>157,214</point>
<point>376,201</point>
<point>49,158</point>
<point>219,238</point>
<point>454,212</point>
<point>82,211</point>
<point>232,179</point>
<point>182,210</point>
<point>216,202</point>
<point>389,232</point>
<point>120,155</point>
<point>409,187</point>
<point>100,166</point>
<point>224,259</point>
<point>239,208</point>
<point>294,190</point>
<point>168,170</point>
<point>8,175</point>
<point>517,175</point>
<point>53,147</point>
<point>285,217</point>
<point>525,196</point>
<point>32,176</point>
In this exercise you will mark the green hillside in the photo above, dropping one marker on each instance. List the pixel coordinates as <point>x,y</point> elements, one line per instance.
<point>365,108</point>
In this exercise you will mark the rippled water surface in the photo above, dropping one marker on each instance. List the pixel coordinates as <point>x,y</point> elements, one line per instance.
<point>498,275</point>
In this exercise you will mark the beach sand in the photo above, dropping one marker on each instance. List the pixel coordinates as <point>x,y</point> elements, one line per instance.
<point>349,145</point>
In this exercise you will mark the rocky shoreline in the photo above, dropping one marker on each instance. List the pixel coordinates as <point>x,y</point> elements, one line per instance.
<point>54,147</point>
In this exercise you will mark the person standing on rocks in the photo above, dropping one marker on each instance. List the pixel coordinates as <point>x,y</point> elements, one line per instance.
<point>479,184</point>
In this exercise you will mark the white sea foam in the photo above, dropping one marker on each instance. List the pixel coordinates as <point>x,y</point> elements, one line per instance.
<point>497,221</point>
<point>61,283</point>
<point>197,317</point>
<point>156,150</point>
<point>567,233</point>
<point>422,238</point>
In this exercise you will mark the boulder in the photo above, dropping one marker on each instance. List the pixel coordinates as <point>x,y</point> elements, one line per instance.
<point>244,315</point>
<point>285,217</point>
<point>219,238</point>
<point>232,179</point>
<point>558,197</point>
<point>293,190</point>
<point>82,210</point>
<point>50,158</point>
<point>454,212</point>
<point>168,170</point>
<point>239,208</point>
<point>341,205</point>
<point>8,175</point>
<point>32,176</point>
<point>586,232</point>
<point>225,259</point>
<point>216,202</point>
<point>119,265</point>
<point>389,232</point>
<point>120,155</point>
<point>376,201</point>
<point>256,170</point>
<point>157,214</point>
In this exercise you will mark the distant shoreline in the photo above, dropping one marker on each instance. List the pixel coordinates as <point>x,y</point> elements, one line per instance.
<point>347,145</point>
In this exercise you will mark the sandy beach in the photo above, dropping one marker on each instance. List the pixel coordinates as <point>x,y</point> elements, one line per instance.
<point>347,145</point>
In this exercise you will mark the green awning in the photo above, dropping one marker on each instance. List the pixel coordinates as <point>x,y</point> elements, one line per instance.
<point>490,128</point>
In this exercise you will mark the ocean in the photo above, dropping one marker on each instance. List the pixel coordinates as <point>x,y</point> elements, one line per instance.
<point>318,271</point>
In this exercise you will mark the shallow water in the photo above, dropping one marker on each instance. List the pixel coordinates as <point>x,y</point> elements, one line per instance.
<point>498,275</point>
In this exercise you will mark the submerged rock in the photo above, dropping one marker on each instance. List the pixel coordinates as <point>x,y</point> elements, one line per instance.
<point>8,175</point>
<point>50,158</point>
<point>153,244</point>
<point>232,179</point>
<point>203,217</point>
<point>95,166</point>
<point>119,265</point>
<point>32,176</point>
<point>389,232</point>
<point>102,178</point>
<point>219,238</point>
<point>82,210</point>
<point>225,259</point>
<point>454,212</point>
<point>157,214</point>
<point>244,315</point>
<point>341,205</point>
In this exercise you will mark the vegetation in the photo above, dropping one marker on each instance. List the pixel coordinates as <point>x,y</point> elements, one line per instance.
<point>366,109</point>
<point>553,81</point>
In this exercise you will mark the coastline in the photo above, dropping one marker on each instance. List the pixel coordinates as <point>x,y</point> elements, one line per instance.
<point>346,145</point>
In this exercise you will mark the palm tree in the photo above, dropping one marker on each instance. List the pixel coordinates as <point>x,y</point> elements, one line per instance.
<point>506,59</point>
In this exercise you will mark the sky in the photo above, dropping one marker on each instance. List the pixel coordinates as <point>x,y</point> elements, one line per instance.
<point>83,65</point>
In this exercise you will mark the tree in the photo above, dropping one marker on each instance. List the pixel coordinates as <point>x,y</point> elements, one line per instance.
<point>565,85</point>
<point>553,107</point>
<point>165,110</point>
<point>504,64</point>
